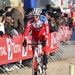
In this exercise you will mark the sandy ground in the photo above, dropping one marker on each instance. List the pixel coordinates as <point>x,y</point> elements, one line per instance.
<point>59,67</point>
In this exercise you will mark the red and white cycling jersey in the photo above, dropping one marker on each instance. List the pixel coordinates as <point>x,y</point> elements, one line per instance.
<point>38,29</point>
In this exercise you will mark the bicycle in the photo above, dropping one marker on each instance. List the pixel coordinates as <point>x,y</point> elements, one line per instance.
<point>37,67</point>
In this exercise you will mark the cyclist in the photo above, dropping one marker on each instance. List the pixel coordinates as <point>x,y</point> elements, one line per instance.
<point>40,30</point>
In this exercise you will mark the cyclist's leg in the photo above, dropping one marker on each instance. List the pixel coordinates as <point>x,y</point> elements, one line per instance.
<point>45,61</point>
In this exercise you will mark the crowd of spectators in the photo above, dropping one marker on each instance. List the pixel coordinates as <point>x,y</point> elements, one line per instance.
<point>14,20</point>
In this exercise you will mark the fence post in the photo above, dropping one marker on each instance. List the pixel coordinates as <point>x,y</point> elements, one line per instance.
<point>71,69</point>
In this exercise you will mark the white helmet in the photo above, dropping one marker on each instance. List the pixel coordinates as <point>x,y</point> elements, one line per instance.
<point>36,11</point>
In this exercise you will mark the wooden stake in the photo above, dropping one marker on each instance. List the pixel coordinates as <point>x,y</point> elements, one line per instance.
<point>71,70</point>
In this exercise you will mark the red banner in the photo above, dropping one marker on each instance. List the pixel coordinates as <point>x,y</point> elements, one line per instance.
<point>3,50</point>
<point>53,42</point>
<point>11,49</point>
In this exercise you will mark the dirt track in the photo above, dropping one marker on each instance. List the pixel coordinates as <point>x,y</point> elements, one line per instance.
<point>59,67</point>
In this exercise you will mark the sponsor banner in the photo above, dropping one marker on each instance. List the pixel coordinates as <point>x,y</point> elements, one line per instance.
<point>11,49</point>
<point>54,42</point>
<point>3,50</point>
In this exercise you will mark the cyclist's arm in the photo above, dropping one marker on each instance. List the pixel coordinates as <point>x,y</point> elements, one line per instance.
<point>27,31</point>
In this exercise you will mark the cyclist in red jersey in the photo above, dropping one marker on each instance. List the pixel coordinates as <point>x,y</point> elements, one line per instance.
<point>40,30</point>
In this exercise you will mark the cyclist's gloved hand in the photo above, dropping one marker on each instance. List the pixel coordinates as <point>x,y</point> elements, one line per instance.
<point>43,43</point>
<point>24,43</point>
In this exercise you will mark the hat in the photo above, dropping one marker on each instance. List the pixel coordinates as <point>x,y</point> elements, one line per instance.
<point>48,6</point>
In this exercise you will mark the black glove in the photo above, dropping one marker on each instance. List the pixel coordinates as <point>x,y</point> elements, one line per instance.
<point>24,43</point>
<point>43,43</point>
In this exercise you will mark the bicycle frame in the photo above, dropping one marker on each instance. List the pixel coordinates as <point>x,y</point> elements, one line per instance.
<point>37,59</point>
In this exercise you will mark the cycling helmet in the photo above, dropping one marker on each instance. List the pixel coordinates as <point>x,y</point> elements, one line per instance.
<point>36,11</point>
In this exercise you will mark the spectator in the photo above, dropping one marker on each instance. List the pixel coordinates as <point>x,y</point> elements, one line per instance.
<point>52,23</point>
<point>28,16</point>
<point>1,27</point>
<point>70,22</point>
<point>48,7</point>
<point>66,18</point>
<point>51,20</point>
<point>7,9</point>
<point>18,15</point>
<point>9,23</point>
<point>29,12</point>
<point>57,17</point>
<point>45,13</point>
<point>73,23</point>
